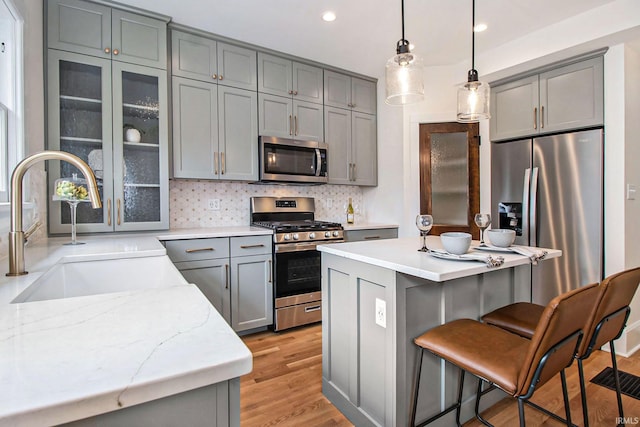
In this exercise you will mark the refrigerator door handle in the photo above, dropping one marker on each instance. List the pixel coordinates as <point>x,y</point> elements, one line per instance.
<point>525,204</point>
<point>533,220</point>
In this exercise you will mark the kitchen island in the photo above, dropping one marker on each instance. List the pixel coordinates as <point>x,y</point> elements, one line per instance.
<point>379,295</point>
<point>149,351</point>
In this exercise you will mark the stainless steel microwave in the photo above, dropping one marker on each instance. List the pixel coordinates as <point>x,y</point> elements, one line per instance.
<point>288,160</point>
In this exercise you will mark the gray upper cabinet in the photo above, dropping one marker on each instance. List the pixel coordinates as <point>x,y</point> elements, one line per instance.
<point>215,131</point>
<point>94,29</point>
<point>352,147</point>
<point>353,93</point>
<point>283,77</point>
<point>205,59</point>
<point>564,98</point>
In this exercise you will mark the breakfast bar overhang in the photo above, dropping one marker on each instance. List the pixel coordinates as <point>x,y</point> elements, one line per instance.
<point>377,296</point>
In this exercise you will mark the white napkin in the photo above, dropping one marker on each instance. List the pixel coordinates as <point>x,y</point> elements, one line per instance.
<point>489,260</point>
<point>534,256</point>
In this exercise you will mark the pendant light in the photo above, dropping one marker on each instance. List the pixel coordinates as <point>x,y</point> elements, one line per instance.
<point>473,96</point>
<point>403,74</point>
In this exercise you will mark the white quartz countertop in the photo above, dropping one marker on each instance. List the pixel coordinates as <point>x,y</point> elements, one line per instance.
<point>367,226</point>
<point>402,255</point>
<point>203,233</point>
<point>72,358</point>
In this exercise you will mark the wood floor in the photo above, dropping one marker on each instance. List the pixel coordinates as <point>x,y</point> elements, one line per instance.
<point>284,388</point>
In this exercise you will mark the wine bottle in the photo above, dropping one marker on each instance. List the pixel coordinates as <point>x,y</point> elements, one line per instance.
<point>350,212</point>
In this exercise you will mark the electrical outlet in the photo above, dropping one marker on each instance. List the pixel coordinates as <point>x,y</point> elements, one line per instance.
<point>213,204</point>
<point>381,312</point>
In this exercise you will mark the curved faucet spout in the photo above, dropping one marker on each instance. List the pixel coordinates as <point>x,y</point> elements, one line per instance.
<point>16,234</point>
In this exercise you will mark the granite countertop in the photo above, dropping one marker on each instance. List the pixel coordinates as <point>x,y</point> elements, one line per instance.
<point>71,358</point>
<point>402,255</point>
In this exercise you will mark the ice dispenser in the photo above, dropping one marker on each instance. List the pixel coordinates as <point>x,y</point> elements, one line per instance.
<point>511,216</point>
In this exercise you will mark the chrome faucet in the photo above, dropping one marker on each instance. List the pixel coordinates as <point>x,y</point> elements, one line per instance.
<point>16,234</point>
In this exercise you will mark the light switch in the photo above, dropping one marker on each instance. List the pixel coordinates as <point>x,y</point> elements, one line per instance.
<point>631,192</point>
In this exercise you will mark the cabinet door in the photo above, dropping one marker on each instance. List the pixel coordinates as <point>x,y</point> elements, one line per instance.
<point>307,121</point>
<point>237,67</point>
<point>79,122</point>
<point>307,83</point>
<point>213,281</point>
<point>514,109</point>
<point>363,95</point>
<point>238,133</point>
<point>337,124</point>
<point>274,75</point>
<point>337,89</point>
<point>79,26</point>
<point>364,149</point>
<point>138,39</point>
<point>195,129</point>
<point>275,116</point>
<point>193,57</point>
<point>251,292</point>
<point>140,168</point>
<point>572,97</point>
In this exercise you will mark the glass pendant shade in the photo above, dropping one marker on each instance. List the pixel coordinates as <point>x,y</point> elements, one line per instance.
<point>404,79</point>
<point>473,101</point>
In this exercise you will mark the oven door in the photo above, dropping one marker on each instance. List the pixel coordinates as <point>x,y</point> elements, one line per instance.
<point>286,160</point>
<point>296,272</point>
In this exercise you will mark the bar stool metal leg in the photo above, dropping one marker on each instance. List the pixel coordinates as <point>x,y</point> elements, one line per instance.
<point>565,394</point>
<point>583,394</point>
<point>617,378</point>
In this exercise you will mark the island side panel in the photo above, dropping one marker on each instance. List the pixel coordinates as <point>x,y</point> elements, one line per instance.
<point>358,353</point>
<point>426,304</point>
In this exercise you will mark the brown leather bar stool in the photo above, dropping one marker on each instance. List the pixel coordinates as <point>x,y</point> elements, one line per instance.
<point>510,362</point>
<point>605,325</point>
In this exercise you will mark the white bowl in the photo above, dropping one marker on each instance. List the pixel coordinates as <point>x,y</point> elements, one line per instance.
<point>501,237</point>
<point>456,243</point>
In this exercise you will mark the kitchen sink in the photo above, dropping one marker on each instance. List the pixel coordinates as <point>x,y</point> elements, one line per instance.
<point>82,278</point>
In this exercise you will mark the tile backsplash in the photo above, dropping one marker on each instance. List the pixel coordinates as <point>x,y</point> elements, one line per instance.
<point>188,201</point>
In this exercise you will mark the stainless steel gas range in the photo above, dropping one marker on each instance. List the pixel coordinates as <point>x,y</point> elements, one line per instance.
<point>296,261</point>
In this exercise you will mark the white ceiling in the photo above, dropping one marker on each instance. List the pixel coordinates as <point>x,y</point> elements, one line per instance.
<point>365,33</point>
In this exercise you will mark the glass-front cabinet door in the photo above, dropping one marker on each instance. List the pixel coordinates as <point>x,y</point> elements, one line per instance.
<point>114,117</point>
<point>79,122</point>
<point>140,147</point>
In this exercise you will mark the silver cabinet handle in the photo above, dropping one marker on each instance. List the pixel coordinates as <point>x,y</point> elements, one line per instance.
<point>270,272</point>
<point>107,50</point>
<point>214,76</point>
<point>252,246</point>
<point>535,117</point>
<point>295,92</point>
<point>542,117</point>
<point>350,172</point>
<point>355,177</point>
<point>222,163</point>
<point>312,308</point>
<point>290,92</point>
<point>215,163</point>
<point>116,51</point>
<point>295,126</point>
<point>290,126</point>
<point>220,77</point>
<point>226,276</point>
<point>371,237</point>
<point>190,251</point>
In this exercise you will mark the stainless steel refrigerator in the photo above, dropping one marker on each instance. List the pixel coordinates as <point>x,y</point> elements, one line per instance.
<point>550,190</point>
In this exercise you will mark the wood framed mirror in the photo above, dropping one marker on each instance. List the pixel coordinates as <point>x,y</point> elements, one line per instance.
<point>450,176</point>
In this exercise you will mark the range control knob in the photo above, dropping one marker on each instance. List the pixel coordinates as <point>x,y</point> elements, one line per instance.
<point>287,237</point>
<point>295,236</point>
<point>312,235</point>
<point>327,234</point>
<point>336,234</point>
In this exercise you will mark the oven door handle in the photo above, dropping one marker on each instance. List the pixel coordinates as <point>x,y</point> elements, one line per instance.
<point>302,246</point>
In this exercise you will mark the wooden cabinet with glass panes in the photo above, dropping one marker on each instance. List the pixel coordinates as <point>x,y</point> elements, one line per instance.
<point>113,115</point>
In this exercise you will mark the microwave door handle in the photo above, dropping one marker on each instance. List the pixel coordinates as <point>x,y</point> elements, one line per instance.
<point>318,162</point>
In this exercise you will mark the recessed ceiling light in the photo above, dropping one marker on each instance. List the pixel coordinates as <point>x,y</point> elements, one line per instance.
<point>479,28</point>
<point>329,16</point>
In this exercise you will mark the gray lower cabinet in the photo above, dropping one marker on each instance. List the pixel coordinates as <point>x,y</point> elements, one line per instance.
<point>353,93</point>
<point>91,103</point>
<point>370,234</point>
<point>98,30</point>
<point>352,149</point>
<point>563,98</point>
<point>214,131</point>
<point>235,274</point>
<point>216,405</point>
<point>202,58</point>
<point>287,118</point>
